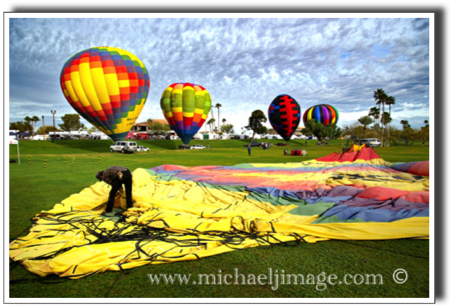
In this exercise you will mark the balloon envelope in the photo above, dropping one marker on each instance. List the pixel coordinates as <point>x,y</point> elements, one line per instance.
<point>185,107</point>
<point>284,115</point>
<point>108,87</point>
<point>322,113</point>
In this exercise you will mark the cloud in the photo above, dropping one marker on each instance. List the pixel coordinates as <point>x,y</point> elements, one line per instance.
<point>244,63</point>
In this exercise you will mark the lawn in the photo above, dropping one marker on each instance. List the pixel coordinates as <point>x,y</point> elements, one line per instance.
<point>71,167</point>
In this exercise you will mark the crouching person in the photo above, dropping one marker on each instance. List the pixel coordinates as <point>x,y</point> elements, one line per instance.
<point>116,176</point>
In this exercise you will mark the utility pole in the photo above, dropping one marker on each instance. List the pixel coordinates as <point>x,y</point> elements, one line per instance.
<point>42,117</point>
<point>54,124</point>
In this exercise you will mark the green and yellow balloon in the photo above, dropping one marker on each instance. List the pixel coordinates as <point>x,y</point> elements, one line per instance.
<point>185,106</point>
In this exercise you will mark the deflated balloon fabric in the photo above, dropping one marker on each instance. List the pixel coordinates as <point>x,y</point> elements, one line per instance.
<point>186,213</point>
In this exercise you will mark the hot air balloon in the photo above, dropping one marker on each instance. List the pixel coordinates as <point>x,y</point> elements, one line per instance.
<point>108,87</point>
<point>284,115</point>
<point>185,107</point>
<point>323,113</point>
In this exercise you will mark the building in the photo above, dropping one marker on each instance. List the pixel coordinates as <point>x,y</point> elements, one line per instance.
<point>298,131</point>
<point>140,127</point>
<point>144,131</point>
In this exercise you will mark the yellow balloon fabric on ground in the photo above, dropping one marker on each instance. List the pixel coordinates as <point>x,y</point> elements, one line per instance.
<point>74,240</point>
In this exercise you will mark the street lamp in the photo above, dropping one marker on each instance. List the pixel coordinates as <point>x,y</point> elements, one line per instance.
<point>42,117</point>
<point>54,124</point>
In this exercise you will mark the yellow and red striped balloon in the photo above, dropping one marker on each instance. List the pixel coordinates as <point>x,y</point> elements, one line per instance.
<point>185,107</point>
<point>108,87</point>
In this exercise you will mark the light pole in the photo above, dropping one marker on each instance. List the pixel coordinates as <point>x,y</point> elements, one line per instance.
<point>42,117</point>
<point>54,124</point>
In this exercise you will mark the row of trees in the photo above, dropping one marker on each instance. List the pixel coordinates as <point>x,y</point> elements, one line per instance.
<point>382,120</point>
<point>405,135</point>
<point>71,122</point>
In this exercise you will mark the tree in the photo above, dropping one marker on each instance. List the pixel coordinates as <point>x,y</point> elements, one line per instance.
<point>424,133</point>
<point>390,100</point>
<point>28,120</point>
<point>21,126</point>
<point>211,123</point>
<point>156,127</point>
<point>255,123</point>
<point>375,113</point>
<point>385,120</point>
<point>406,135</point>
<point>338,133</point>
<point>150,124</point>
<point>46,129</point>
<point>218,106</point>
<point>365,121</point>
<point>380,97</point>
<point>93,129</point>
<point>354,129</point>
<point>71,122</point>
<point>34,119</point>
<point>228,128</point>
<point>320,131</point>
<point>405,124</point>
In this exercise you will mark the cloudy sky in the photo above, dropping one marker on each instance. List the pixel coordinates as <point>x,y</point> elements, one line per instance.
<point>244,63</point>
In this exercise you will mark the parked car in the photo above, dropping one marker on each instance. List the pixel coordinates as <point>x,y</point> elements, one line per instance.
<point>124,146</point>
<point>142,148</point>
<point>198,146</point>
<point>371,142</point>
<point>254,144</point>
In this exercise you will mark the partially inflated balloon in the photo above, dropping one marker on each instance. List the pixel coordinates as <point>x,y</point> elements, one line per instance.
<point>284,115</point>
<point>108,87</point>
<point>323,113</point>
<point>185,107</point>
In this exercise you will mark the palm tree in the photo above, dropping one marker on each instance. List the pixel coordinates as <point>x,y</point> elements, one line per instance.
<point>375,113</point>
<point>34,119</point>
<point>223,122</point>
<point>212,115</point>
<point>390,100</point>
<point>365,121</point>
<point>28,120</point>
<point>380,97</point>
<point>210,123</point>
<point>385,120</point>
<point>218,106</point>
<point>404,123</point>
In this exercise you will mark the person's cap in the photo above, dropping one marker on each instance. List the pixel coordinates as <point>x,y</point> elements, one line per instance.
<point>99,175</point>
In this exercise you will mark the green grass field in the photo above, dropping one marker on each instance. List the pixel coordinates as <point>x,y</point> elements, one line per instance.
<point>71,167</point>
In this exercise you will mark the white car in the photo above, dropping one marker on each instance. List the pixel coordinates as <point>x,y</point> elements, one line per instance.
<point>142,148</point>
<point>124,146</point>
<point>198,147</point>
<point>371,142</point>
